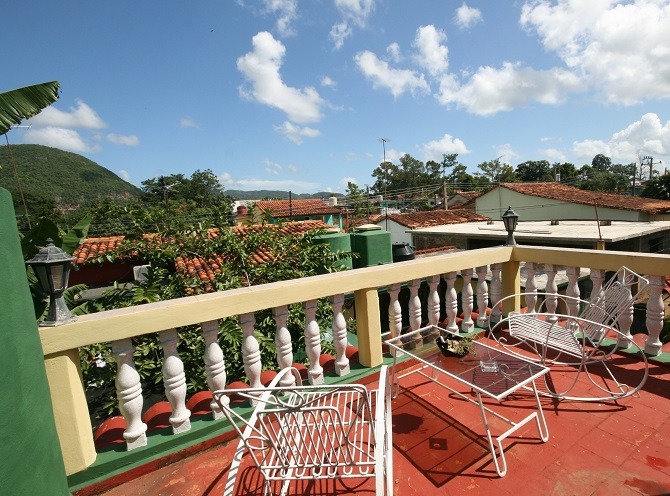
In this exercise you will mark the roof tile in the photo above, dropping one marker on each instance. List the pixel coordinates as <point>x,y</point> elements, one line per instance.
<point>287,208</point>
<point>558,191</point>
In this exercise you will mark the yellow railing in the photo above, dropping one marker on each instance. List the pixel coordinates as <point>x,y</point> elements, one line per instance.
<point>61,344</point>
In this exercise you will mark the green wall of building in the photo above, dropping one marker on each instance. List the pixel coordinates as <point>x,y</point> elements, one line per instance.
<point>31,461</point>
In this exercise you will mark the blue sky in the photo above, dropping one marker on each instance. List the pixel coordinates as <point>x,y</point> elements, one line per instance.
<point>294,94</point>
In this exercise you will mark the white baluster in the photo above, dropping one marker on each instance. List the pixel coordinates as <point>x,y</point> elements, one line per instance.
<point>655,315</point>
<point>625,320</point>
<point>496,292</point>
<point>313,343</point>
<point>551,289</point>
<point>531,287</point>
<point>597,278</point>
<point>251,354</point>
<point>467,300</point>
<point>283,343</point>
<point>174,380</point>
<point>129,393</point>
<point>482,295</point>
<point>433,300</point>
<point>215,366</point>
<point>395,310</point>
<point>340,335</point>
<point>451,301</point>
<point>414,304</point>
<point>572,290</point>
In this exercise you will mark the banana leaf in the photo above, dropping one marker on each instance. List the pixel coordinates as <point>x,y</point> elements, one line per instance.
<point>24,103</point>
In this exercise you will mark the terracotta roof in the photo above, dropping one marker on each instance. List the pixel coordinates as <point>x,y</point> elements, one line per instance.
<point>570,194</point>
<point>286,208</point>
<point>436,249</point>
<point>417,220</point>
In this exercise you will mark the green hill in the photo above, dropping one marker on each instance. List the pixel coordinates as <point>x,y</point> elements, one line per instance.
<point>64,177</point>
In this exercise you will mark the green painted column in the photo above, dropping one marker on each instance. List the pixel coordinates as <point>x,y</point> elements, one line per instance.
<point>31,461</point>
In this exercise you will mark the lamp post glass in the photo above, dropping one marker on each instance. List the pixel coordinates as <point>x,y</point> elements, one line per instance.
<point>510,219</point>
<point>52,268</point>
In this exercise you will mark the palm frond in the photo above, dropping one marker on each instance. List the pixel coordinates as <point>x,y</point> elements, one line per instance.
<point>24,103</point>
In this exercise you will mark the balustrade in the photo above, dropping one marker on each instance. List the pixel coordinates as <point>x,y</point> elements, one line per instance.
<point>363,283</point>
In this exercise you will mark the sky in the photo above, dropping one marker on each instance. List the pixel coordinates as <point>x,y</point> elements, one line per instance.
<point>296,94</point>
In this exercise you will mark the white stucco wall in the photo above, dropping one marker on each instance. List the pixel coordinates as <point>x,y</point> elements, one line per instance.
<point>398,234</point>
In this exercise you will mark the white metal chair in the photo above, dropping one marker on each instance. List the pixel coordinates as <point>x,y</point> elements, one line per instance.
<point>305,432</point>
<point>584,341</point>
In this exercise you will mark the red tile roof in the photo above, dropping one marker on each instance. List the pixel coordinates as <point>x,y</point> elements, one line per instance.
<point>286,208</point>
<point>558,191</point>
<point>417,220</point>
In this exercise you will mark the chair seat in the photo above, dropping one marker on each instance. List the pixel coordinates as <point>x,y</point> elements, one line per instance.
<point>530,327</point>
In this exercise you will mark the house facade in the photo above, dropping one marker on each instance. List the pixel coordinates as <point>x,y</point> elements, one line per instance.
<point>555,201</point>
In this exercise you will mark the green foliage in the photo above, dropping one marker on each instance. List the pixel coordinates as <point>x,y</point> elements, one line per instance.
<point>24,103</point>
<point>658,188</point>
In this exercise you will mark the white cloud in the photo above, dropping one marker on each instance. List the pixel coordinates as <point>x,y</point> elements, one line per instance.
<point>296,133</point>
<point>187,122</point>
<point>81,117</point>
<point>648,136</point>
<point>119,139</point>
<point>348,179</point>
<point>272,167</point>
<point>393,51</point>
<point>261,69</point>
<point>230,182</point>
<point>226,179</point>
<point>123,174</point>
<point>354,12</point>
<point>433,150</point>
<point>293,168</point>
<point>57,137</point>
<point>622,50</point>
<point>506,153</point>
<point>466,16</point>
<point>554,155</point>
<point>393,155</point>
<point>328,82</point>
<point>433,54</point>
<point>590,148</point>
<point>492,90</point>
<point>287,11</point>
<point>397,81</point>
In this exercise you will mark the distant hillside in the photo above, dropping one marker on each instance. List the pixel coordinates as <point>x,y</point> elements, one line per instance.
<point>274,194</point>
<point>67,178</point>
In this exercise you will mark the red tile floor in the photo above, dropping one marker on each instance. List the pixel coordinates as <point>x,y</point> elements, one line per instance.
<point>608,448</point>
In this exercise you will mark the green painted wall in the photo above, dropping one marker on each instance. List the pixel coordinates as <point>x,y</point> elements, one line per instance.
<point>31,459</point>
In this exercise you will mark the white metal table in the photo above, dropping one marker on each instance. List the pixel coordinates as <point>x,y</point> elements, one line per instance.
<point>485,370</point>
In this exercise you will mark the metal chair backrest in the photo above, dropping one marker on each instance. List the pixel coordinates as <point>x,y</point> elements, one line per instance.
<point>615,298</point>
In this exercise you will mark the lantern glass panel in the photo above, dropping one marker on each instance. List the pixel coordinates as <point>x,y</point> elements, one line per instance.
<point>43,277</point>
<point>58,277</point>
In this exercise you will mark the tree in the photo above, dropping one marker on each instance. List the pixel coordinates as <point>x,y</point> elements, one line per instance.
<point>658,188</point>
<point>601,163</point>
<point>498,172</point>
<point>357,199</point>
<point>534,170</point>
<point>568,172</point>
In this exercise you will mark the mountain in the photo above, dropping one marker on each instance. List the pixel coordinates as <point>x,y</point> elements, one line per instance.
<point>67,178</point>
<point>276,194</point>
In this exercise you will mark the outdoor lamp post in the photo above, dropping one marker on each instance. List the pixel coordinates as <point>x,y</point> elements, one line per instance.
<point>510,219</point>
<point>52,268</point>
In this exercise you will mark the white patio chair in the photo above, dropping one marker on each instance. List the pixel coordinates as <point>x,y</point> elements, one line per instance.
<point>307,432</point>
<point>584,341</point>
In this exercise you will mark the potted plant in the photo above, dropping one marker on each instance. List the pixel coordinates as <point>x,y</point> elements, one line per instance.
<point>454,345</point>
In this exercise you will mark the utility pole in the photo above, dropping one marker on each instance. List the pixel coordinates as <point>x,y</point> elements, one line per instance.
<point>386,201</point>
